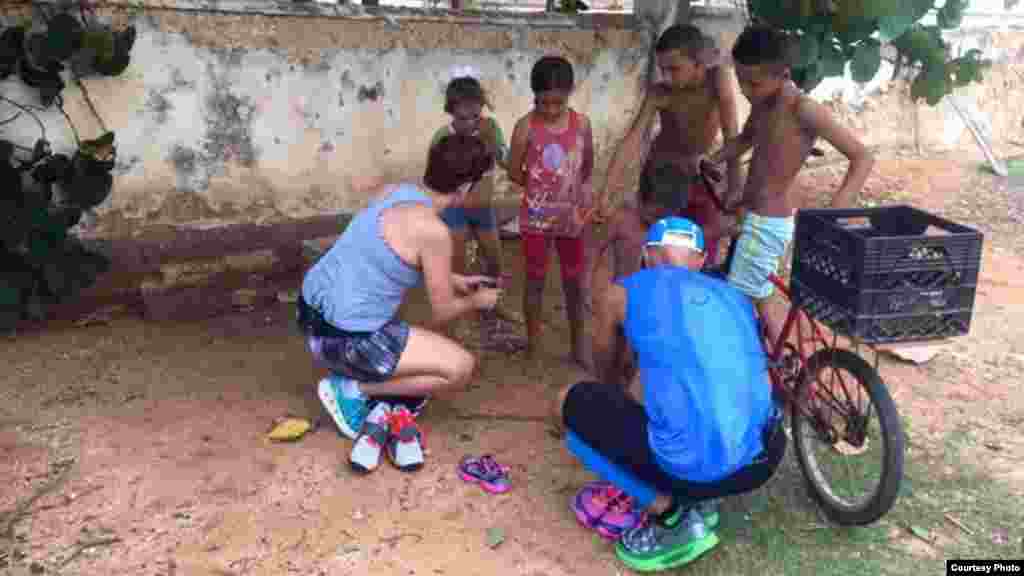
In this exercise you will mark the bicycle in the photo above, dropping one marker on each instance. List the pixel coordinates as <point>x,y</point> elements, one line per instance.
<point>825,412</point>
<point>892,283</point>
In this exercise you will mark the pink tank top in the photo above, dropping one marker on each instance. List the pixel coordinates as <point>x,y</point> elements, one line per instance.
<point>554,163</point>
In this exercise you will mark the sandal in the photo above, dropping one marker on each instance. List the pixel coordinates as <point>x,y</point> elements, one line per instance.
<point>498,337</point>
<point>490,475</point>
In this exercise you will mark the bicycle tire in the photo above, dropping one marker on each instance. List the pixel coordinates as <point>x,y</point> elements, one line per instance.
<point>892,437</point>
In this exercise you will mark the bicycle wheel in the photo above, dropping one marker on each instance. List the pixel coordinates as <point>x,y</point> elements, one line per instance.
<point>827,415</point>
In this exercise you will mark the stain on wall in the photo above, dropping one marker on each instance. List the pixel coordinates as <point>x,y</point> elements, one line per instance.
<point>254,117</point>
<point>372,93</point>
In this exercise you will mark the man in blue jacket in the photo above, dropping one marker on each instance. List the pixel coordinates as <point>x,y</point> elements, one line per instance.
<point>704,426</point>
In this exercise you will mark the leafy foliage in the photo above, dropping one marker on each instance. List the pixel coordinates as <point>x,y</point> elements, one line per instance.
<point>42,194</point>
<point>830,34</point>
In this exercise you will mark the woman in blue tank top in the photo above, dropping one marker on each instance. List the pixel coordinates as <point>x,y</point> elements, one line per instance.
<point>351,296</point>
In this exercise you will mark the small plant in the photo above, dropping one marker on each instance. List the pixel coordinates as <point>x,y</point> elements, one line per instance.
<point>43,195</point>
<point>831,33</point>
<point>44,198</point>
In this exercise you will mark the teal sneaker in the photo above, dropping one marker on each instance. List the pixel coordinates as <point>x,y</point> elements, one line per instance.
<point>708,510</point>
<point>348,413</point>
<point>656,546</point>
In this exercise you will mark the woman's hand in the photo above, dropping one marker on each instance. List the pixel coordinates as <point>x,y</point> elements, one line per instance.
<point>466,285</point>
<point>485,298</point>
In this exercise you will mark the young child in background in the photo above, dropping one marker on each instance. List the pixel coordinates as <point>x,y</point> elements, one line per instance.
<point>781,129</point>
<point>552,158</point>
<point>465,100</point>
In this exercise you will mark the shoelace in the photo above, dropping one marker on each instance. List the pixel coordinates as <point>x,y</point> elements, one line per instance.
<point>613,499</point>
<point>402,426</point>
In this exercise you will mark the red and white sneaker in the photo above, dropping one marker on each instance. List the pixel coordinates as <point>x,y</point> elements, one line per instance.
<point>403,445</point>
<point>373,437</point>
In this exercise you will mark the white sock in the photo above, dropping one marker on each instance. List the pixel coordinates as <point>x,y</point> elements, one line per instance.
<point>350,389</point>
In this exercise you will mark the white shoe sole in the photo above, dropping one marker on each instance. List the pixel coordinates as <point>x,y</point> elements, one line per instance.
<point>412,457</point>
<point>326,393</point>
<point>363,458</point>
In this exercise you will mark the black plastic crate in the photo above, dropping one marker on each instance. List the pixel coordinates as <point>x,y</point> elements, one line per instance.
<point>889,274</point>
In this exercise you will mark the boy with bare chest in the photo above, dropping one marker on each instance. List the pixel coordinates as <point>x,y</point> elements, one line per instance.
<point>693,105</point>
<point>781,129</point>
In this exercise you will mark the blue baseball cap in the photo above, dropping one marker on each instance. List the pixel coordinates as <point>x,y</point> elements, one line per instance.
<point>676,231</point>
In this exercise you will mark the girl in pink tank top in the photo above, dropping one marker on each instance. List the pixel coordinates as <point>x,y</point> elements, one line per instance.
<point>552,158</point>
<point>554,187</point>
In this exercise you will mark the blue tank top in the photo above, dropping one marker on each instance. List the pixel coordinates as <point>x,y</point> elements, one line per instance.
<point>704,372</point>
<point>358,285</point>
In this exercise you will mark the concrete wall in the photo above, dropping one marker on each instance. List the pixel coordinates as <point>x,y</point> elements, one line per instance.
<point>242,117</point>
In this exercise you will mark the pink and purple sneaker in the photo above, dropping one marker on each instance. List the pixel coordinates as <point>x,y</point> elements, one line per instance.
<point>606,509</point>
<point>486,472</point>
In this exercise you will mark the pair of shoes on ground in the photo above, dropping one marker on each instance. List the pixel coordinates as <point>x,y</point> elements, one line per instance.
<point>645,543</point>
<point>486,472</point>
<point>374,426</point>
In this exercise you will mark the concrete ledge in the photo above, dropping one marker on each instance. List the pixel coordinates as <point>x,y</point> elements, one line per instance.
<point>194,272</point>
<point>148,253</point>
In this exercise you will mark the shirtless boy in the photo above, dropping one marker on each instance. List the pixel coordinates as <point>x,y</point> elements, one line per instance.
<point>781,129</point>
<point>694,104</point>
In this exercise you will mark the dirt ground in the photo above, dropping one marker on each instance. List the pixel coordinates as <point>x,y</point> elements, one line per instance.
<point>151,437</point>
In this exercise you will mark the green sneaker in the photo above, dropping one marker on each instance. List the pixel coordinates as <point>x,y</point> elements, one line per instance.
<point>708,510</point>
<point>655,546</point>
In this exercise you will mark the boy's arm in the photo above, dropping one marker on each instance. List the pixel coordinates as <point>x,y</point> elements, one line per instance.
<point>587,171</point>
<point>730,130</point>
<point>738,146</point>
<point>632,144</point>
<point>819,121</point>
<point>517,155</point>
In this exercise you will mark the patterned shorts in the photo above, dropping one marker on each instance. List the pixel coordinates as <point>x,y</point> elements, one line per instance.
<point>362,356</point>
<point>759,250</point>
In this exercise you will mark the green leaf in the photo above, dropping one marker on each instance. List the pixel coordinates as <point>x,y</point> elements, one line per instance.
<point>967,68</point>
<point>917,8</point>
<point>920,532</point>
<point>893,26</point>
<point>867,59</point>
<point>833,61</point>
<point>951,14</point>
<point>495,536</point>
<point>809,77</point>
<point>853,28</point>
<point>872,9</point>
<point>920,44</point>
<point>771,11</point>
<point>931,85</point>
<point>809,51</point>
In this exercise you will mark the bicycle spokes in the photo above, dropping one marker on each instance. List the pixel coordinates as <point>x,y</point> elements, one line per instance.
<point>843,438</point>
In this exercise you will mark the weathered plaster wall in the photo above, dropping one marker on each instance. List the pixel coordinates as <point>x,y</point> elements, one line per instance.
<point>227,117</point>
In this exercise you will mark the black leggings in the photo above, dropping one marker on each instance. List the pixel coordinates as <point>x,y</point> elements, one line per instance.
<point>614,425</point>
